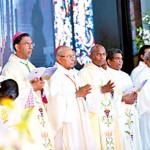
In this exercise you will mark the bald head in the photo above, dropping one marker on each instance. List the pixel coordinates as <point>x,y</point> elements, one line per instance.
<point>96,48</point>
<point>98,55</point>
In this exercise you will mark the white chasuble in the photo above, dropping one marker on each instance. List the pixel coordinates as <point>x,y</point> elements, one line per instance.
<point>102,112</point>
<point>127,113</point>
<point>143,105</point>
<point>67,114</point>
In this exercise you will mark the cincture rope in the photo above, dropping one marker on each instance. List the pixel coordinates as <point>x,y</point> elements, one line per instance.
<point>26,64</point>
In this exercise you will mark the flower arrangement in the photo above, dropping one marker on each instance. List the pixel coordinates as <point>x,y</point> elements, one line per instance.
<point>143,33</point>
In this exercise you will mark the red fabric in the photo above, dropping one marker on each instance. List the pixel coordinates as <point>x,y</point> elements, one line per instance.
<point>16,35</point>
<point>56,50</point>
<point>43,96</point>
<point>44,99</point>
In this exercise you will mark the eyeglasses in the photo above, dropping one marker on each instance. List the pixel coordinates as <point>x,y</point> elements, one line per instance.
<point>27,44</point>
<point>68,56</point>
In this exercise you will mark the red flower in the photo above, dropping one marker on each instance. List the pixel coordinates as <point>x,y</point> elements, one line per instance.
<point>107,111</point>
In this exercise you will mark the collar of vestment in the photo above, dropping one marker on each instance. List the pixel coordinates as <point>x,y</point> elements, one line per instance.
<point>93,67</point>
<point>56,64</point>
<point>114,71</point>
<point>64,70</point>
<point>148,68</point>
<point>68,73</point>
<point>13,57</point>
<point>111,69</point>
<point>142,63</point>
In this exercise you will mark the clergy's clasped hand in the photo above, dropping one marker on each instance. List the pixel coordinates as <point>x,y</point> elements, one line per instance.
<point>108,87</point>
<point>37,84</point>
<point>129,98</point>
<point>83,91</point>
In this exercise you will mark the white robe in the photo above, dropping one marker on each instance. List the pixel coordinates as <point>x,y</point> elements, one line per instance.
<point>128,116</point>
<point>137,70</point>
<point>143,104</point>
<point>67,114</point>
<point>2,78</point>
<point>102,112</point>
<point>17,70</point>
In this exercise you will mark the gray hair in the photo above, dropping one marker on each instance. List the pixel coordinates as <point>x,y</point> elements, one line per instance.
<point>60,50</point>
<point>147,55</point>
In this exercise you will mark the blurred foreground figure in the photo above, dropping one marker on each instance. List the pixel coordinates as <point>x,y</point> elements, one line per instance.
<point>15,117</point>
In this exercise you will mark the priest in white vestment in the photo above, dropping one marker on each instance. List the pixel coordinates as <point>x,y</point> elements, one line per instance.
<point>18,68</point>
<point>127,112</point>
<point>141,64</point>
<point>102,112</point>
<point>143,103</point>
<point>67,109</point>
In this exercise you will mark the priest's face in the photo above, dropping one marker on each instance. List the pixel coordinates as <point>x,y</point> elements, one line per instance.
<point>142,55</point>
<point>67,58</point>
<point>98,55</point>
<point>117,61</point>
<point>24,48</point>
<point>147,62</point>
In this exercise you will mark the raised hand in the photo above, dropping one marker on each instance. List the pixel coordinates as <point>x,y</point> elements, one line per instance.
<point>83,91</point>
<point>108,87</point>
